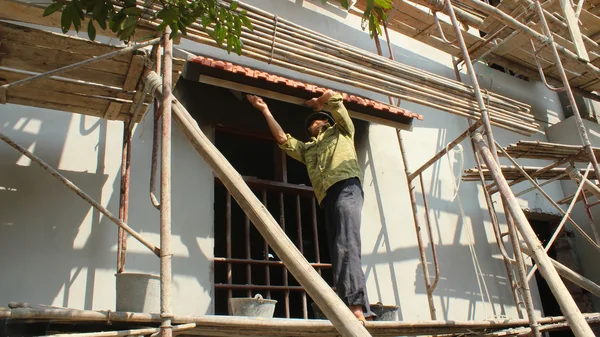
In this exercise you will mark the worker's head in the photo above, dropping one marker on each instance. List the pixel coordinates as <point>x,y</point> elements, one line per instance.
<point>317,122</point>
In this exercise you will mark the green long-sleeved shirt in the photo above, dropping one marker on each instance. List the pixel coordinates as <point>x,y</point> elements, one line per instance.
<point>330,157</point>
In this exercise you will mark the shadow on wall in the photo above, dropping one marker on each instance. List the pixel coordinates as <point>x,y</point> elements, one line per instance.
<point>458,278</point>
<point>57,249</point>
<point>40,218</point>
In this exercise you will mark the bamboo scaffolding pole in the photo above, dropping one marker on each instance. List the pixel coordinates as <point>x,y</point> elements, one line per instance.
<point>576,320</point>
<point>166,306</point>
<point>81,193</point>
<point>306,275</point>
<point>588,185</point>
<point>130,332</point>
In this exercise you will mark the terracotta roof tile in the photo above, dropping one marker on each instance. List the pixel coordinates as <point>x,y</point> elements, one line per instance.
<point>257,74</point>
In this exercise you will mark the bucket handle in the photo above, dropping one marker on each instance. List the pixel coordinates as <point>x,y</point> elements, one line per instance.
<point>258,297</point>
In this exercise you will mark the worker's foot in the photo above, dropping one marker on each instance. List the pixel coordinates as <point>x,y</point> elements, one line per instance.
<point>358,313</point>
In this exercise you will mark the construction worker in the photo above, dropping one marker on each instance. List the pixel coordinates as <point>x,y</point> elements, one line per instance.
<point>335,174</point>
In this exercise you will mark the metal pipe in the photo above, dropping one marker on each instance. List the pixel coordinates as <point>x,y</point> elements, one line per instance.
<point>446,148</point>
<point>264,263</point>
<point>315,232</point>
<point>574,317</point>
<point>124,196</point>
<point>439,27</point>
<point>81,193</point>
<point>285,271</point>
<point>266,249</point>
<point>541,70</point>
<point>301,248</point>
<point>422,255</point>
<point>248,250</point>
<point>79,64</point>
<point>228,247</point>
<point>436,264</point>
<point>588,211</point>
<point>166,309</point>
<point>490,138</point>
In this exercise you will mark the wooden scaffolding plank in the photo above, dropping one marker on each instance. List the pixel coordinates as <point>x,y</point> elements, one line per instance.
<point>58,58</point>
<point>573,25</point>
<point>60,85</point>
<point>72,44</point>
<point>136,67</point>
<point>32,63</point>
<point>114,109</point>
<point>54,106</point>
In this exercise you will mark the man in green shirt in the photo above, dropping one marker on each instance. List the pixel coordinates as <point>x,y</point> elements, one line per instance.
<point>335,174</point>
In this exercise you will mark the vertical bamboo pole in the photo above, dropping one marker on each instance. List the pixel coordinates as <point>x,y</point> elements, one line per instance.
<point>124,195</point>
<point>165,190</point>
<point>490,138</point>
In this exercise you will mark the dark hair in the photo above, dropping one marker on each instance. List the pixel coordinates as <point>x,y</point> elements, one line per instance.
<point>319,115</point>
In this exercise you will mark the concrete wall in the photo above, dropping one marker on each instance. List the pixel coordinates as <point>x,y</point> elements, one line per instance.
<point>566,133</point>
<point>64,253</point>
<point>55,249</point>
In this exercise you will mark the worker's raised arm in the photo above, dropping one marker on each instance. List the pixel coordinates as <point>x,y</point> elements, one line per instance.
<point>293,147</point>
<point>338,111</point>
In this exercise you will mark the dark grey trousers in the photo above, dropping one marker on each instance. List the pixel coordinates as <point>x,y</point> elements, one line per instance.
<point>343,207</point>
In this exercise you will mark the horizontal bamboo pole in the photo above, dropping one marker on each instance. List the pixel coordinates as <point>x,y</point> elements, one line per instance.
<point>209,325</point>
<point>80,193</point>
<point>130,332</point>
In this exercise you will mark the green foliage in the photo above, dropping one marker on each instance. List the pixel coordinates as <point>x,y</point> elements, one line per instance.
<point>223,24</point>
<point>373,14</point>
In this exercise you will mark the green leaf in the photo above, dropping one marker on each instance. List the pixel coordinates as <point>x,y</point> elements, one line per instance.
<point>182,27</point>
<point>385,4</point>
<point>129,3</point>
<point>345,4</point>
<point>162,26</point>
<point>238,47</point>
<point>133,11</point>
<point>91,30</point>
<point>246,21</point>
<point>65,21</point>
<point>234,5</point>
<point>168,14</point>
<point>238,25</point>
<point>53,8</point>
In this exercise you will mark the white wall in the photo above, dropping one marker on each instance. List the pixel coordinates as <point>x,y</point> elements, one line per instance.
<point>390,255</point>
<point>55,249</point>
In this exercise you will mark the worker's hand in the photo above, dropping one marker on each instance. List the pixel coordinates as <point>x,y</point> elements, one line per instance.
<point>318,102</point>
<point>258,103</point>
<point>315,104</point>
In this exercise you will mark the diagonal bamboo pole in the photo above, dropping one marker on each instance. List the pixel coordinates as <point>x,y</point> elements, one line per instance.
<point>166,309</point>
<point>576,320</point>
<point>333,307</point>
<point>81,193</point>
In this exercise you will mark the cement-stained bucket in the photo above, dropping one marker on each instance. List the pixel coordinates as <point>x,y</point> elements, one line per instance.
<point>385,312</point>
<point>252,307</point>
<point>138,292</point>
